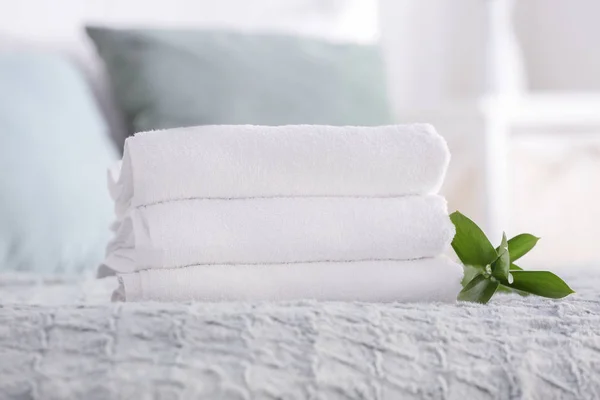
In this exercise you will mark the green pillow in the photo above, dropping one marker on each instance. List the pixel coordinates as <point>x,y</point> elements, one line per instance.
<point>172,78</point>
<point>55,148</point>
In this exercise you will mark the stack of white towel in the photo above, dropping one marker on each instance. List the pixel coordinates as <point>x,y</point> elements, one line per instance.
<point>280,213</point>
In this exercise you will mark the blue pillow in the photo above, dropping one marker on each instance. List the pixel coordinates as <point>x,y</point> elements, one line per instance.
<point>172,78</point>
<point>54,150</point>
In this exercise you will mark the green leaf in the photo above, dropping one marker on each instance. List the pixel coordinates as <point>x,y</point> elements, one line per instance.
<point>501,266</point>
<point>470,272</point>
<point>541,283</point>
<point>506,289</point>
<point>520,245</point>
<point>470,243</point>
<point>479,290</point>
<point>488,270</point>
<point>515,267</point>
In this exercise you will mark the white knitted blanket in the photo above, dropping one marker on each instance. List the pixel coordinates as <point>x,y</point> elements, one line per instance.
<point>74,345</point>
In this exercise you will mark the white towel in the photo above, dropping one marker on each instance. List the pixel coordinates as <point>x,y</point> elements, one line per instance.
<point>276,230</point>
<point>297,160</point>
<point>407,281</point>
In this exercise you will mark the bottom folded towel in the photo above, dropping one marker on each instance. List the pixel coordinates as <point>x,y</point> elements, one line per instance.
<point>435,279</point>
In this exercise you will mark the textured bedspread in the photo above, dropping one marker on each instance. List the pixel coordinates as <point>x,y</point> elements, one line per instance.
<point>514,348</point>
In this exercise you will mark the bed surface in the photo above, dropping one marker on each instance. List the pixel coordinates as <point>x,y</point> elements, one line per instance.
<point>61,339</point>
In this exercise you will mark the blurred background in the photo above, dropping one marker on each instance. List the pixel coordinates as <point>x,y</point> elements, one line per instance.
<point>514,87</point>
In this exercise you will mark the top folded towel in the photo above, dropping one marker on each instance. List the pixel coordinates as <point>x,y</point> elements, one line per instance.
<point>261,161</point>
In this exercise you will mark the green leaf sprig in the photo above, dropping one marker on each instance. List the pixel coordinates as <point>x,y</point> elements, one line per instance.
<point>489,269</point>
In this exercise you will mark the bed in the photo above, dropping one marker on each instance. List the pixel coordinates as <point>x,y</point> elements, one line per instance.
<point>63,339</point>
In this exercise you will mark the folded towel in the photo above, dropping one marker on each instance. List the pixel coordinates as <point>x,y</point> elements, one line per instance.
<point>297,160</point>
<point>408,281</point>
<point>276,230</point>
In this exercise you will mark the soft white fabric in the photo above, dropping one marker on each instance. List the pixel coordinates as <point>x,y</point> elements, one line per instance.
<point>120,250</point>
<point>298,160</point>
<point>408,281</point>
<point>280,230</point>
<point>280,213</point>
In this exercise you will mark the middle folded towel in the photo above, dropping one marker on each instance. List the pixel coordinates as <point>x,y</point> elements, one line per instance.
<point>288,230</point>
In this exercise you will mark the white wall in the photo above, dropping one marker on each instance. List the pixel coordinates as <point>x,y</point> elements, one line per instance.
<point>561,40</point>
<point>434,50</point>
<point>61,20</point>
